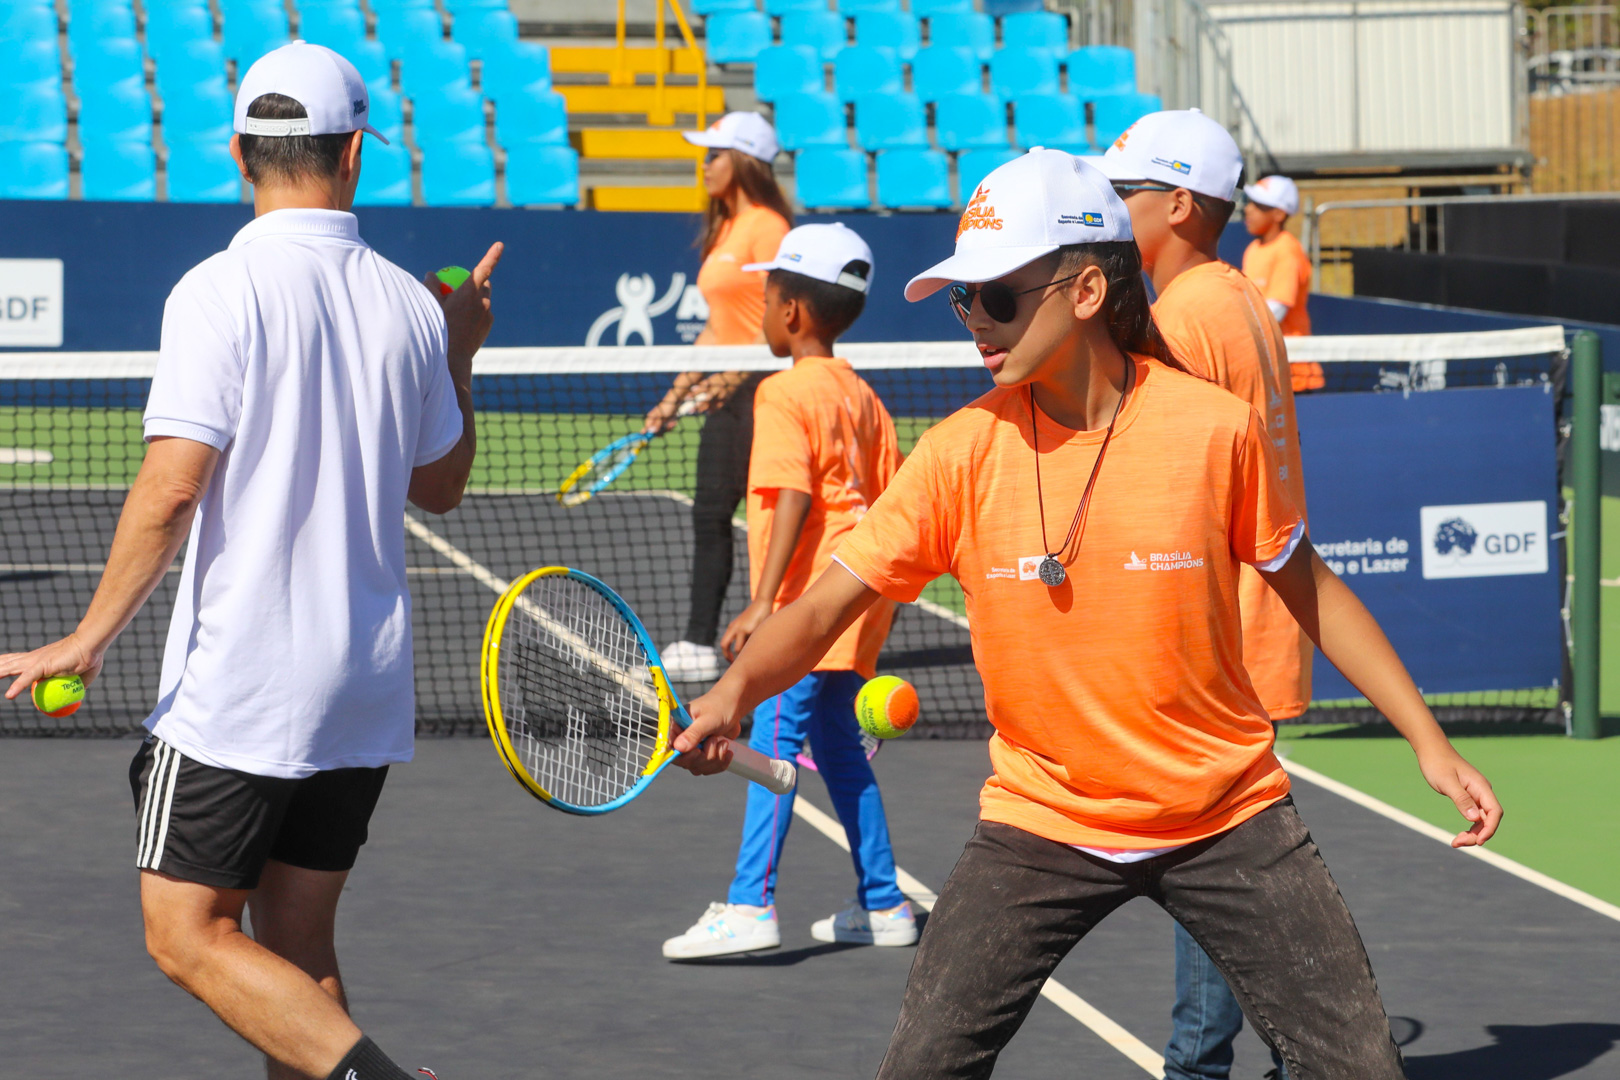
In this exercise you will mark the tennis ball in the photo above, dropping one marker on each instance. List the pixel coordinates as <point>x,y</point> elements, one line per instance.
<point>886,707</point>
<point>59,696</point>
<point>450,279</point>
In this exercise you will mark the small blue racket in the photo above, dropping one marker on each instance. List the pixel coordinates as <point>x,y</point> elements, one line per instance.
<point>609,463</point>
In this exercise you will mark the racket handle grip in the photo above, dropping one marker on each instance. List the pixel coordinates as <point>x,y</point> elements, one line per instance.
<point>773,774</point>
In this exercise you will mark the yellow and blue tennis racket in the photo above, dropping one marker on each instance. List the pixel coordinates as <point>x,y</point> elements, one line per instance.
<point>576,697</point>
<point>609,463</point>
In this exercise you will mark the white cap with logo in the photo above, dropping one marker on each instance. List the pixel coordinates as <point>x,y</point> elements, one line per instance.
<point>1024,210</point>
<point>329,88</point>
<point>1182,148</point>
<point>746,131</point>
<point>824,252</point>
<point>1275,191</point>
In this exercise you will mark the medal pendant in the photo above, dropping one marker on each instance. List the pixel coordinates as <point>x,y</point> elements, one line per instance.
<point>1052,572</point>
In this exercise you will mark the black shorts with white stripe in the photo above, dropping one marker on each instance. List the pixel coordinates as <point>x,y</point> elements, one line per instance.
<point>218,827</point>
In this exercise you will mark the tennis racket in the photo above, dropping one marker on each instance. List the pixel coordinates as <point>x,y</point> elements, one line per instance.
<point>576,698</point>
<point>869,742</point>
<point>609,463</point>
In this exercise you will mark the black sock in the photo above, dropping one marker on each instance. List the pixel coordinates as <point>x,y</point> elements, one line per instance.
<point>365,1062</point>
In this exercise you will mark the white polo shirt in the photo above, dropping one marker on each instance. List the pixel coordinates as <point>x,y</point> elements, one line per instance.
<point>317,368</point>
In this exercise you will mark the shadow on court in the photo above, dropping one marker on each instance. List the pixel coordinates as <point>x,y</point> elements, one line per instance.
<point>489,937</point>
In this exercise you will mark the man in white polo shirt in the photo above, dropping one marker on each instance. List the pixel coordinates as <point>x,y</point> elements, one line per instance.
<point>306,388</point>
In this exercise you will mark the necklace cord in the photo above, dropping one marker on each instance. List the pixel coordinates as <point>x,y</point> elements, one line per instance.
<point>1075,525</point>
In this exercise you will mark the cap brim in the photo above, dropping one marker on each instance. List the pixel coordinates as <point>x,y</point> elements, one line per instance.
<point>985,264</point>
<point>369,130</point>
<point>1259,196</point>
<point>711,139</point>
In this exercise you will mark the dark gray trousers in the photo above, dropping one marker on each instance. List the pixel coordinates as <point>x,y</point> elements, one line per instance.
<point>1258,899</point>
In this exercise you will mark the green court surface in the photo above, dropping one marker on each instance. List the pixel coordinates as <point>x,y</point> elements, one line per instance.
<point>1559,794</point>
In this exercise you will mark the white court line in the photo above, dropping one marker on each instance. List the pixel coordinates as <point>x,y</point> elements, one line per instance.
<point>1055,992</point>
<point>1434,832</point>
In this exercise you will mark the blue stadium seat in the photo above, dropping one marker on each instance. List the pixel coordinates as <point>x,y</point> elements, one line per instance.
<point>715,7</point>
<point>385,175</point>
<point>33,170</point>
<point>27,22</point>
<point>787,69</point>
<point>1055,121</point>
<point>538,175</point>
<point>122,171</point>
<point>540,118</point>
<point>482,31</point>
<point>337,26</point>
<point>890,121</point>
<point>1036,30</point>
<point>431,66</point>
<point>371,61</point>
<point>1101,69</point>
<point>1113,113</point>
<point>117,112</point>
<point>463,7</point>
<point>399,29</point>
<point>913,178</point>
<point>231,7</point>
<point>1015,72</point>
<point>970,121</point>
<point>895,30</point>
<point>188,63</point>
<point>112,60</point>
<point>782,7</point>
<point>35,112</point>
<point>997,9</point>
<point>822,31</point>
<point>974,165</point>
<point>854,7</point>
<point>203,115</point>
<point>866,69</point>
<point>925,9</point>
<point>202,172</point>
<point>810,120</point>
<point>457,174</point>
<point>387,114</point>
<point>380,6</point>
<point>449,114</point>
<point>944,69</point>
<point>736,37</point>
<point>174,25</point>
<point>29,60</point>
<point>969,30</point>
<point>95,23</point>
<point>250,32</point>
<point>522,67</point>
<point>828,176</point>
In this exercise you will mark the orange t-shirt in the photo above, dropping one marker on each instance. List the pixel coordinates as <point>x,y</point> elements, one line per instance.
<point>1124,718</point>
<point>819,429</point>
<point>1217,323</point>
<point>737,300</point>
<point>1282,272</point>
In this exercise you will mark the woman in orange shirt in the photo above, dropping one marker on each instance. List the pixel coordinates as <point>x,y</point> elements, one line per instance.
<point>747,217</point>
<point>1131,755</point>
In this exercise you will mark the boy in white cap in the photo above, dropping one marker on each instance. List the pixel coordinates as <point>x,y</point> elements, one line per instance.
<point>1131,756</point>
<point>824,449</point>
<point>305,389</point>
<point>1277,264</point>
<point>1178,173</point>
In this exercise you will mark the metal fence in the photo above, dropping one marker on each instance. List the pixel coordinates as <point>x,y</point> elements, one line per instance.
<point>1572,68</point>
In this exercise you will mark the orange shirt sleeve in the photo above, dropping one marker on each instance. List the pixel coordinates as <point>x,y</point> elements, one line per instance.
<point>1264,517</point>
<point>767,237</point>
<point>906,539</point>
<point>782,456</point>
<point>1282,284</point>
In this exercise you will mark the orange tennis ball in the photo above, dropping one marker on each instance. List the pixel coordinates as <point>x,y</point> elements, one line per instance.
<point>886,707</point>
<point>59,696</point>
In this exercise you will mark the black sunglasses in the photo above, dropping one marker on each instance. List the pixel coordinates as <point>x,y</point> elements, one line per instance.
<point>999,300</point>
<point>1126,189</point>
<point>714,152</point>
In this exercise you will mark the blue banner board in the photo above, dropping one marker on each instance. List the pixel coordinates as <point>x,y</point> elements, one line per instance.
<point>1439,511</point>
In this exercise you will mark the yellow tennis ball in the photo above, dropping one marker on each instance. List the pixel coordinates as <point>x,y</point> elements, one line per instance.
<point>59,696</point>
<point>886,706</point>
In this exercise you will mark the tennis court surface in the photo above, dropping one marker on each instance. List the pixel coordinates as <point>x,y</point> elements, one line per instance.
<point>489,937</point>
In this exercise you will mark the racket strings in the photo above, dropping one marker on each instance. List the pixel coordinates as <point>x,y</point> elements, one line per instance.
<point>577,698</point>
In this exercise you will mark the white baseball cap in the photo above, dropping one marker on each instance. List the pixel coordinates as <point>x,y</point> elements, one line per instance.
<point>331,91</point>
<point>823,252</point>
<point>1182,148</point>
<point>1024,210</point>
<point>746,131</point>
<point>1275,191</point>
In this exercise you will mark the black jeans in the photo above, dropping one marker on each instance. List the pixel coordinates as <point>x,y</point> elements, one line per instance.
<point>722,481</point>
<point>1258,899</point>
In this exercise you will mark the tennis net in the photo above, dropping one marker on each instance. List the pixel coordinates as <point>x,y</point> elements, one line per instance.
<point>70,444</point>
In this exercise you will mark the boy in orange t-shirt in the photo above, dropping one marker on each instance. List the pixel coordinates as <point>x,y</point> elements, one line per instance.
<point>824,450</point>
<point>1276,262</point>
<point>1096,508</point>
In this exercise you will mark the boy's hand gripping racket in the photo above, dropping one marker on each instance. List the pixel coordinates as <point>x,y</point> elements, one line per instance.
<point>576,698</point>
<point>609,463</point>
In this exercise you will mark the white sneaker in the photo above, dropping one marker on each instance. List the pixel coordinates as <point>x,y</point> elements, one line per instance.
<point>859,926</point>
<point>726,929</point>
<point>687,661</point>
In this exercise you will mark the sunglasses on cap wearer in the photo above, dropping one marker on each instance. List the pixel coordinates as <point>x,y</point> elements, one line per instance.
<point>712,155</point>
<point>1126,188</point>
<point>999,300</point>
